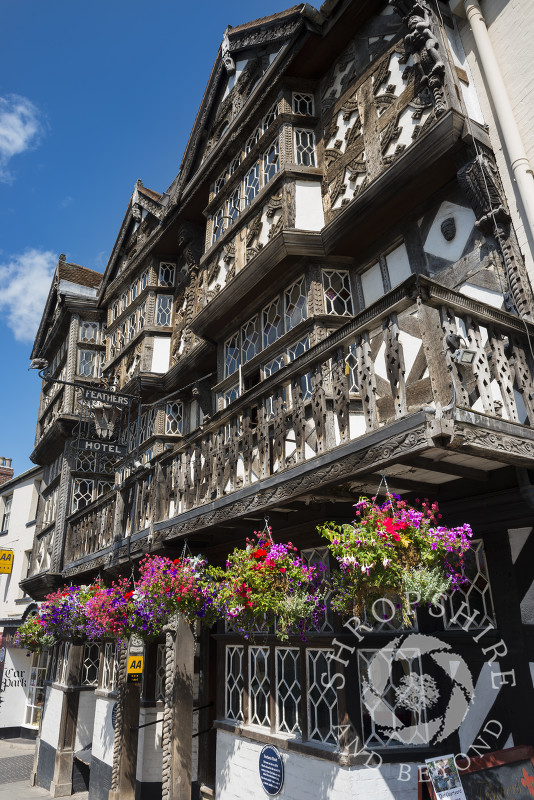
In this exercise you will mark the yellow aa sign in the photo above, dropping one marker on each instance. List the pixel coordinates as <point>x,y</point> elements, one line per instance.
<point>6,561</point>
<point>135,668</point>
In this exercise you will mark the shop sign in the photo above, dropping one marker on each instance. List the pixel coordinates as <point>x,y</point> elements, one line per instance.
<point>135,668</point>
<point>271,770</point>
<point>107,448</point>
<point>108,398</point>
<point>6,562</point>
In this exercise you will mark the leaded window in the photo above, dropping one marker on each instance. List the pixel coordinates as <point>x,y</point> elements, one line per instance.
<point>235,164</point>
<point>251,141</point>
<point>302,103</point>
<point>295,304</point>
<point>82,493</point>
<point>230,395</point>
<point>124,301</point>
<point>234,204</point>
<point>273,366</point>
<point>36,692</point>
<point>234,682</point>
<point>164,310</point>
<point>85,462</point>
<point>231,355</point>
<point>252,184</point>
<point>337,293</point>
<point>272,323</point>
<point>131,326</point>
<point>270,117</point>
<point>218,225</point>
<point>159,690</point>
<point>8,502</point>
<point>143,280</point>
<point>288,691</point>
<point>166,274</point>
<point>115,310</point>
<point>89,332</point>
<point>271,162</point>
<point>88,363</point>
<point>141,316</point>
<point>133,291</point>
<point>259,686</point>
<point>473,597</point>
<point>91,660</point>
<point>219,183</point>
<point>322,697</point>
<point>107,667</point>
<point>250,340</point>
<point>174,417</point>
<point>298,349</point>
<point>305,147</point>
<point>103,487</point>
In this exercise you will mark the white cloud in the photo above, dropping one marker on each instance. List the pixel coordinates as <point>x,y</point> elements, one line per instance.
<point>20,129</point>
<point>25,281</point>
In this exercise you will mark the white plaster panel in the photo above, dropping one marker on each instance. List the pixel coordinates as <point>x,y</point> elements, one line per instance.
<point>407,125</point>
<point>239,67</point>
<point>372,284</point>
<point>52,716</point>
<point>86,720</point>
<point>410,348</point>
<point>469,94</point>
<point>309,206</point>
<point>161,354</point>
<point>357,426</point>
<point>488,296</point>
<point>149,750</point>
<point>437,244</point>
<point>267,224</point>
<point>380,362</point>
<point>103,730</point>
<point>518,538</point>
<point>343,126</point>
<point>14,688</point>
<point>398,265</point>
<point>395,75</point>
<point>305,777</point>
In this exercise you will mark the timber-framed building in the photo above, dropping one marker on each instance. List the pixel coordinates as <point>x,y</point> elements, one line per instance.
<point>291,317</point>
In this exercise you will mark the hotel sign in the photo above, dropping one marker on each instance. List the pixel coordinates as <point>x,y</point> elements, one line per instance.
<point>108,398</point>
<point>100,446</point>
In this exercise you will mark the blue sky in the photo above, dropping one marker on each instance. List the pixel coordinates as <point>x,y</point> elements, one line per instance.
<point>93,96</point>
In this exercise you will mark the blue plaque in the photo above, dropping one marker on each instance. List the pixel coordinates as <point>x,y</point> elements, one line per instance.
<point>271,770</point>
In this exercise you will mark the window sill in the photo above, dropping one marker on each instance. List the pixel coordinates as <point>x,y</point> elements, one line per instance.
<point>283,741</point>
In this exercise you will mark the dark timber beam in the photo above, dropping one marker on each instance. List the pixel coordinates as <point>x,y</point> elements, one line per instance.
<point>446,468</point>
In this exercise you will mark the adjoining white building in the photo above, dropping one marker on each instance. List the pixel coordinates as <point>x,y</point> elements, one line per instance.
<point>21,673</point>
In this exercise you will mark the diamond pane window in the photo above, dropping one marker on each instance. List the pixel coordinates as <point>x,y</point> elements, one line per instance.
<point>302,103</point>
<point>306,384</point>
<point>107,465</point>
<point>252,184</point>
<point>86,462</point>
<point>231,395</point>
<point>271,162</point>
<point>403,697</point>
<point>91,658</point>
<point>143,280</point>
<point>141,316</point>
<point>295,304</point>
<point>352,366</point>
<point>90,332</point>
<point>103,487</point>
<point>252,141</point>
<point>133,291</point>
<point>164,310</point>
<point>474,596</point>
<point>159,691</point>
<point>250,340</point>
<point>219,183</point>
<point>322,698</point>
<point>234,204</point>
<point>272,323</point>
<point>234,682</point>
<point>288,691</point>
<point>270,117</point>
<point>259,686</point>
<point>273,366</point>
<point>174,418</point>
<point>234,165</point>
<point>36,691</point>
<point>124,301</point>
<point>82,493</point>
<point>166,274</point>
<point>298,349</point>
<point>87,363</point>
<point>115,310</point>
<point>305,147</point>
<point>231,355</point>
<point>131,326</point>
<point>337,294</point>
<point>218,225</point>
<point>107,667</point>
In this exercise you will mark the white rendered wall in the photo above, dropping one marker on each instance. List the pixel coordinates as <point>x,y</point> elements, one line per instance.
<point>149,750</point>
<point>511,30</point>
<point>14,688</point>
<point>309,206</point>
<point>52,716</point>
<point>85,722</point>
<point>103,733</point>
<point>161,354</point>
<point>305,777</point>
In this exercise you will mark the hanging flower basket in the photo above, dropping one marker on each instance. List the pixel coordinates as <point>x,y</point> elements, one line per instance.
<point>393,549</point>
<point>32,635</point>
<point>266,585</point>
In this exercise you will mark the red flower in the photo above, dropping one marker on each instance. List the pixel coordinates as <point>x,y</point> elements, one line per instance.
<point>128,595</point>
<point>282,569</point>
<point>259,553</point>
